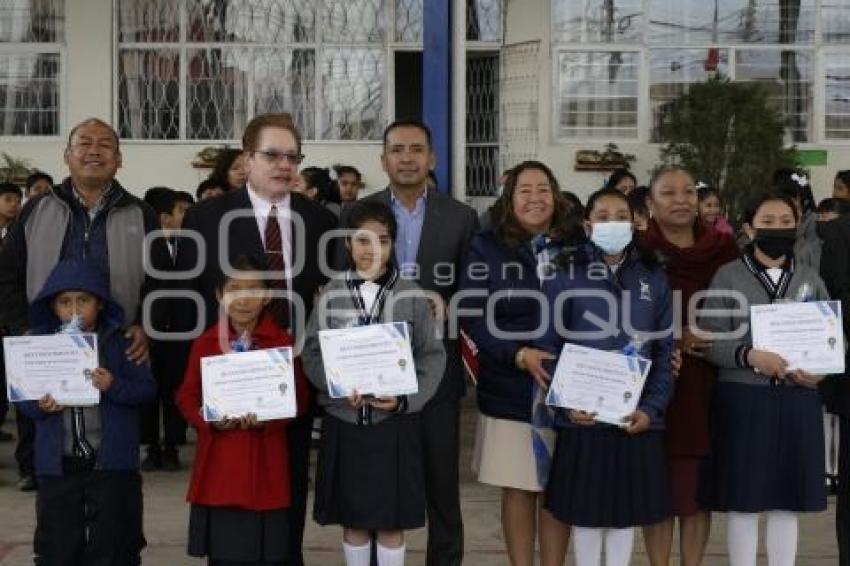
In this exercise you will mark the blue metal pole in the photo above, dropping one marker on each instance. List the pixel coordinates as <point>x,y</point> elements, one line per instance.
<point>436,84</point>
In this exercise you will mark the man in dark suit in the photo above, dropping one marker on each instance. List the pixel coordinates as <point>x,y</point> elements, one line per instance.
<point>434,232</point>
<point>266,221</point>
<point>835,389</point>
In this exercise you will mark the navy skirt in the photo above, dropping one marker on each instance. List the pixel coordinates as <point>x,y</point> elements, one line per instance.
<point>768,450</point>
<point>603,478</point>
<point>370,477</point>
<point>230,535</point>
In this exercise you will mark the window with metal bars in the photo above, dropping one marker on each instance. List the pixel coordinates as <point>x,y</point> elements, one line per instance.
<point>32,37</point>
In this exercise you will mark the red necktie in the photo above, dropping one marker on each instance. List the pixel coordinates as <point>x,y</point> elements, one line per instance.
<point>279,306</point>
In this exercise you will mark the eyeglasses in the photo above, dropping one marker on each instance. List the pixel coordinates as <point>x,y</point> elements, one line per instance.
<point>273,157</point>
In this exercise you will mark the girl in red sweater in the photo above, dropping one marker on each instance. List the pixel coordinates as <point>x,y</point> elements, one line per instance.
<point>240,488</point>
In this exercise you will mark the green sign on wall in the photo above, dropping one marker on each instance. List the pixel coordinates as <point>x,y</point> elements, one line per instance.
<point>810,157</point>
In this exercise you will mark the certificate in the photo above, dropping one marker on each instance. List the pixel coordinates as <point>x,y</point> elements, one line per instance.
<point>809,336</point>
<point>57,364</point>
<point>606,383</point>
<point>260,382</point>
<point>375,359</point>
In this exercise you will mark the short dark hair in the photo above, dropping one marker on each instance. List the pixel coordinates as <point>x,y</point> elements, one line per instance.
<point>161,199</point>
<point>99,122</point>
<point>206,185</point>
<point>606,192</point>
<point>618,175</point>
<point>244,263</point>
<point>37,176</point>
<point>346,170</point>
<point>839,206</point>
<point>185,196</point>
<point>282,120</point>
<point>368,210</point>
<point>11,188</point>
<point>769,196</point>
<point>844,177</point>
<point>418,124</point>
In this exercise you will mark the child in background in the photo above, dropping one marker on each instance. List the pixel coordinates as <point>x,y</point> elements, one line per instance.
<point>89,504</point>
<point>370,471</point>
<point>240,488</point>
<point>711,209</point>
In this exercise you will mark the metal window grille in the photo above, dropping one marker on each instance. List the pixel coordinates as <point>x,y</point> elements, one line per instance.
<point>518,108</point>
<point>33,36</point>
<point>597,21</point>
<point>835,21</point>
<point>482,124</point>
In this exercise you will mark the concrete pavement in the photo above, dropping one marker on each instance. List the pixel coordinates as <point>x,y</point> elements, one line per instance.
<point>166,517</point>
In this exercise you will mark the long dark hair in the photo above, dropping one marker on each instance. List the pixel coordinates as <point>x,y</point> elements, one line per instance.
<point>223,162</point>
<point>769,196</point>
<point>327,189</point>
<point>564,227</point>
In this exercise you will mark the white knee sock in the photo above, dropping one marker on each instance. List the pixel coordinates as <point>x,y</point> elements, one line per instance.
<point>781,538</point>
<point>742,538</point>
<point>390,556</point>
<point>588,546</point>
<point>618,546</point>
<point>357,555</point>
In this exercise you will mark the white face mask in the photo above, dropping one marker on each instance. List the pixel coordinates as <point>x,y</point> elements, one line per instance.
<point>611,237</point>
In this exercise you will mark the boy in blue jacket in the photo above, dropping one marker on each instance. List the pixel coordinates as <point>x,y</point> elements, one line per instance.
<point>89,504</point>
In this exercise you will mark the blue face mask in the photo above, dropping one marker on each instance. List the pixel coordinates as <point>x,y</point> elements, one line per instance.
<point>611,237</point>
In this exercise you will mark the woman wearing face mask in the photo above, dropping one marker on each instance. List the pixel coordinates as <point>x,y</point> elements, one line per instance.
<point>768,453</point>
<point>503,272</point>
<point>692,254</point>
<point>607,479</point>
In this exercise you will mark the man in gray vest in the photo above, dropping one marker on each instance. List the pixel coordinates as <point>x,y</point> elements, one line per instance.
<point>89,217</point>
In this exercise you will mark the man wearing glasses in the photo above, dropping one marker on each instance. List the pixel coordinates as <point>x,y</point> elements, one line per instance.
<point>267,221</point>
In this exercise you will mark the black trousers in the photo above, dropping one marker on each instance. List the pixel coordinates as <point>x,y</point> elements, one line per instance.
<point>25,446</point>
<point>167,367</point>
<point>842,509</point>
<point>441,451</point>
<point>89,518</point>
<point>298,433</point>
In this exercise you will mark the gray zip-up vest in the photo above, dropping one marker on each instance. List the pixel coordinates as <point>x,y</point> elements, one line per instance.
<point>125,232</point>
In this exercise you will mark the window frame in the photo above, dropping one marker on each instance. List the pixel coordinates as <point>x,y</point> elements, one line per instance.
<point>34,48</point>
<point>389,46</point>
<point>817,48</point>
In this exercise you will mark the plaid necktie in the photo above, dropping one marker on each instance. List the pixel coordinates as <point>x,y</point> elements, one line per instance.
<point>279,306</point>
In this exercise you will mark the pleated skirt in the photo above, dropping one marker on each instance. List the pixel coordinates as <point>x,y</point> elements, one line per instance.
<point>603,478</point>
<point>371,476</point>
<point>227,534</point>
<point>768,450</point>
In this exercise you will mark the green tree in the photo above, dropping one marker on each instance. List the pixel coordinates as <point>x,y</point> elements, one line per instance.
<point>729,136</point>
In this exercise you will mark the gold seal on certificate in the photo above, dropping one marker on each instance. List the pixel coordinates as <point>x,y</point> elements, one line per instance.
<point>261,382</point>
<point>372,360</point>
<point>61,365</point>
<point>809,336</point>
<point>606,383</point>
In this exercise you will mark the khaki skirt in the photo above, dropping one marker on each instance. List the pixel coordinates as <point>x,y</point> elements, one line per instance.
<point>504,455</point>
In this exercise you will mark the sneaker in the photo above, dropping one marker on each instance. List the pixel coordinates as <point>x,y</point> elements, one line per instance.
<point>26,483</point>
<point>6,436</point>
<point>170,459</point>
<point>153,459</point>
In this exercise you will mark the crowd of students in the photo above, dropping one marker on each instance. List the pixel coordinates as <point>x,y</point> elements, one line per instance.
<point>720,426</point>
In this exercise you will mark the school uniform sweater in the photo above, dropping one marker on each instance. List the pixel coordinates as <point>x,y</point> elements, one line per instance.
<point>728,354</point>
<point>405,302</point>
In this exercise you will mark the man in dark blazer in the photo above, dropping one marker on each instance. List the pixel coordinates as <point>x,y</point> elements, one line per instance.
<point>835,389</point>
<point>434,232</point>
<point>262,216</point>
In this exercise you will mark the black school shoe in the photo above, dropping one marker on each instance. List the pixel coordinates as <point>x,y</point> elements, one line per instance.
<point>153,459</point>
<point>170,459</point>
<point>26,483</point>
